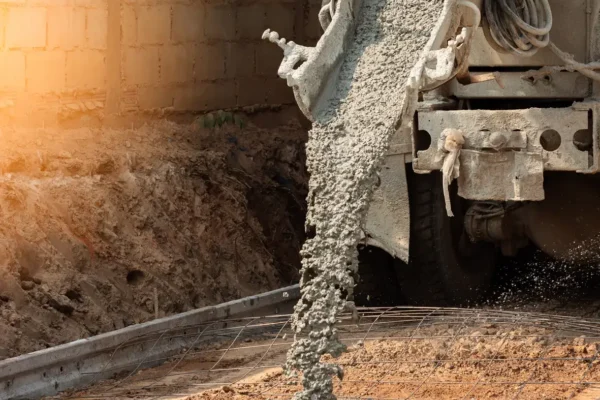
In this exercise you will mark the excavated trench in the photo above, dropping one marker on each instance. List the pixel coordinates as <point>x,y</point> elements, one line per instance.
<point>101,226</point>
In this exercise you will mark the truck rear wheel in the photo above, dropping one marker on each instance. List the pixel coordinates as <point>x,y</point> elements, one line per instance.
<point>444,267</point>
<point>376,284</point>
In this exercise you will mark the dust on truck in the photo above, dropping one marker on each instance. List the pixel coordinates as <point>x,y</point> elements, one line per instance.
<point>503,150</point>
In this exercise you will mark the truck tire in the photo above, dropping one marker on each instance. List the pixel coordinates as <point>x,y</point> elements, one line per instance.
<point>445,268</point>
<point>376,284</point>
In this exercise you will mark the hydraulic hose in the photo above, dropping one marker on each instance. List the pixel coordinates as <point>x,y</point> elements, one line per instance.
<point>522,27</point>
<point>519,26</point>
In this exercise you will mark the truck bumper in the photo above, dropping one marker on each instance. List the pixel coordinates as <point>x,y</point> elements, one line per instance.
<point>506,152</point>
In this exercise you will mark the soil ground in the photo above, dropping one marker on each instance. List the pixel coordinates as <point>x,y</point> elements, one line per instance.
<point>508,359</point>
<point>95,221</point>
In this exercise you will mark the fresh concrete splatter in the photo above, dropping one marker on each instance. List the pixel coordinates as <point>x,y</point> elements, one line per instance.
<point>345,149</point>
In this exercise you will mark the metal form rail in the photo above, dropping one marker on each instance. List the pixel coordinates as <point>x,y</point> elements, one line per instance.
<point>87,361</point>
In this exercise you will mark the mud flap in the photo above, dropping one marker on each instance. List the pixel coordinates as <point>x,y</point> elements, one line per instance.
<point>388,221</point>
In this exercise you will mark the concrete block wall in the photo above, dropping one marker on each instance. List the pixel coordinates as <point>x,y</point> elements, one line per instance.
<point>52,52</point>
<point>64,57</point>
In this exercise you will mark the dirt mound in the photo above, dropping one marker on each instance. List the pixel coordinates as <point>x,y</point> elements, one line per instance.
<point>94,221</point>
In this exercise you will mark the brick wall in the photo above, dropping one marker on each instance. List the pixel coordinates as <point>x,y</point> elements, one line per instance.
<point>66,57</point>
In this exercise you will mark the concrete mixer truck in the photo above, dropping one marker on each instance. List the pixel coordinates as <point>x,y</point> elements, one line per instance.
<point>500,151</point>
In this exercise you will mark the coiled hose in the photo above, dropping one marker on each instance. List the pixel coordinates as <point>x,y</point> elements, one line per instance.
<point>519,26</point>
<point>522,27</point>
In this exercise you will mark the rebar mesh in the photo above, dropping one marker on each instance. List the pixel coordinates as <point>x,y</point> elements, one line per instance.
<point>397,353</point>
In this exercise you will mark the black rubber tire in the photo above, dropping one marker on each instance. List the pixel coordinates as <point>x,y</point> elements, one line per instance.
<point>445,268</point>
<point>377,285</point>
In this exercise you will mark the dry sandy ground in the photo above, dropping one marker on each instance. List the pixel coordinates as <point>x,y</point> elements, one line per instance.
<point>441,361</point>
<point>93,221</point>
<point>495,365</point>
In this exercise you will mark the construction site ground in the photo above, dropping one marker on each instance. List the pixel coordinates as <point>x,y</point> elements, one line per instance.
<point>393,354</point>
<point>517,344</point>
<point>101,225</point>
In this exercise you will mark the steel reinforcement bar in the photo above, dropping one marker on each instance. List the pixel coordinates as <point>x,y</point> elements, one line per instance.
<point>87,361</point>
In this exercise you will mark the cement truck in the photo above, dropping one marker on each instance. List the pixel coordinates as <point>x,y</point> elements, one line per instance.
<point>502,151</point>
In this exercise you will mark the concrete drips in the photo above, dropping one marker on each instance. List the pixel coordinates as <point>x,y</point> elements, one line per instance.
<point>345,149</point>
